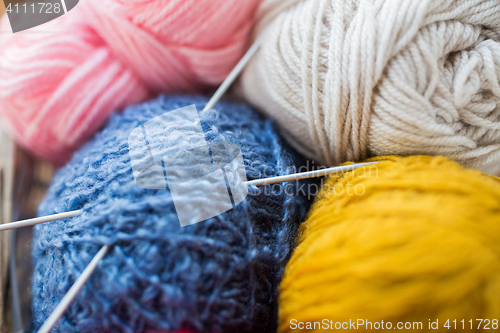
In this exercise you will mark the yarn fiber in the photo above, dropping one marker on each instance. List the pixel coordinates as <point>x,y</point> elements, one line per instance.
<point>57,89</point>
<point>349,79</point>
<point>409,239</point>
<point>220,275</point>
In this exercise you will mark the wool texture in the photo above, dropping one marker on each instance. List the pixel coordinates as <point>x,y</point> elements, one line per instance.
<point>350,79</point>
<point>57,89</point>
<point>220,275</point>
<point>406,240</point>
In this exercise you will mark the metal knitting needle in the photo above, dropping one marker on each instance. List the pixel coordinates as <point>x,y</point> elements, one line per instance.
<point>257,182</point>
<point>38,220</point>
<point>73,292</point>
<point>305,175</point>
<point>233,75</point>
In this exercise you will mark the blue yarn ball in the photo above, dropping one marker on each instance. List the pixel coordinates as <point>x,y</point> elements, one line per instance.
<point>220,275</point>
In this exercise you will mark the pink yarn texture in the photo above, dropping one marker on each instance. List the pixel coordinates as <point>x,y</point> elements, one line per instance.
<point>56,89</point>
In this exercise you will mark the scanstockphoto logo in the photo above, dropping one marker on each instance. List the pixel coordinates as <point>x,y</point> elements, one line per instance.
<point>29,14</point>
<point>204,179</point>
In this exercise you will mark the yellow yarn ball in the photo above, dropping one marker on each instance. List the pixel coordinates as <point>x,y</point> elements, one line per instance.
<point>409,239</point>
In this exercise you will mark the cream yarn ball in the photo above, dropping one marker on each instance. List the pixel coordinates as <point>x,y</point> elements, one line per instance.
<point>347,79</point>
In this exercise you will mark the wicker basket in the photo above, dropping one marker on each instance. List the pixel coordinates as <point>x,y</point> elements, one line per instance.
<point>23,183</point>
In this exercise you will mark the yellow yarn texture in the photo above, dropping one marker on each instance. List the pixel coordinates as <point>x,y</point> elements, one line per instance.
<point>410,239</point>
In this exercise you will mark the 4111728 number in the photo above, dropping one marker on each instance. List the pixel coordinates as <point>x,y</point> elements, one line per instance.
<point>35,8</point>
<point>484,324</point>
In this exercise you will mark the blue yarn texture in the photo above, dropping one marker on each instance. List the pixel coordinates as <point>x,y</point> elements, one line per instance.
<point>220,275</point>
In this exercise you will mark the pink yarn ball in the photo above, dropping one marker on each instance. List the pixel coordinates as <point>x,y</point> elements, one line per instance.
<point>56,89</point>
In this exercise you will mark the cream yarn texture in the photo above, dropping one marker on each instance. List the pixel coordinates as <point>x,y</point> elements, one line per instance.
<point>346,79</point>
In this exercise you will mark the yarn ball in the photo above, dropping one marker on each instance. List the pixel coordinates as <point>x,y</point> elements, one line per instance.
<point>406,240</point>
<point>219,275</point>
<point>349,79</point>
<point>57,89</point>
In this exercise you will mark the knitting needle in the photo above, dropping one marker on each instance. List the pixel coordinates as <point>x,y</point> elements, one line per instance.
<point>305,175</point>
<point>233,75</point>
<point>257,182</point>
<point>38,220</point>
<point>73,292</point>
